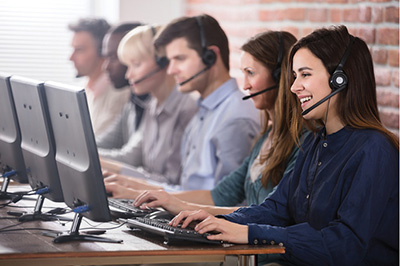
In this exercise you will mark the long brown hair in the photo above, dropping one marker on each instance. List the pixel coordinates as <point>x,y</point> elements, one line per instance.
<point>357,104</point>
<point>265,48</point>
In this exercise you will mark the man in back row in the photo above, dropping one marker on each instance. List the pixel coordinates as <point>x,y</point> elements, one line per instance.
<point>221,134</point>
<point>104,101</point>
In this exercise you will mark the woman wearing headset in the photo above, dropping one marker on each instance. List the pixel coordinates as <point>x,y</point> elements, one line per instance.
<point>340,204</point>
<point>156,155</point>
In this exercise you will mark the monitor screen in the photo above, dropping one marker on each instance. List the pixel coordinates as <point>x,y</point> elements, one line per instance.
<point>77,158</point>
<point>37,140</point>
<point>10,138</point>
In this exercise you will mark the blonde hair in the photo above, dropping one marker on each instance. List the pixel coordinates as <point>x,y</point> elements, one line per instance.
<point>138,44</point>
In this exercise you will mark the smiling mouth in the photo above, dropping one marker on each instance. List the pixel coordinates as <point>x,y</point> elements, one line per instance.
<point>305,100</point>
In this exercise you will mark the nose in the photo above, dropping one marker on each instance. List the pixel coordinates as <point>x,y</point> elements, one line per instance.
<point>128,74</point>
<point>171,69</point>
<point>71,58</point>
<point>106,64</point>
<point>246,83</point>
<point>296,87</point>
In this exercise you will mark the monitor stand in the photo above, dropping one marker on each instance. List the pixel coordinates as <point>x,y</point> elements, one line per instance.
<point>74,235</point>
<point>38,215</point>
<point>3,192</point>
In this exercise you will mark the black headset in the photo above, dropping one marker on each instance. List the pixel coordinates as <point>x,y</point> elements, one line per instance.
<point>160,61</point>
<point>276,73</point>
<point>208,56</point>
<point>338,79</point>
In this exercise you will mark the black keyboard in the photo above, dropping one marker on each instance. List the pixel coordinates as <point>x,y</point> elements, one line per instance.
<point>123,208</point>
<point>170,233</point>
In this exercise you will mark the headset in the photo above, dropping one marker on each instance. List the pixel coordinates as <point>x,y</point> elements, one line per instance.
<point>338,80</point>
<point>276,73</point>
<point>208,56</point>
<point>160,61</point>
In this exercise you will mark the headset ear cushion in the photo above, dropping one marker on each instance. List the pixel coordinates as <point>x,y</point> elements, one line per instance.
<point>276,74</point>
<point>162,62</point>
<point>338,80</point>
<point>209,57</point>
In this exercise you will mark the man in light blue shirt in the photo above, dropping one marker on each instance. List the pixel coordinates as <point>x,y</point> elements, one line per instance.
<point>221,134</point>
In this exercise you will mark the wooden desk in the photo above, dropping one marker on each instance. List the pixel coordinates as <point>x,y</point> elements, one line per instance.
<point>30,247</point>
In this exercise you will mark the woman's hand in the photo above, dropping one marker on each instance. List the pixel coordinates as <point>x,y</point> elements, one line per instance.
<point>228,231</point>
<point>159,198</point>
<point>121,192</point>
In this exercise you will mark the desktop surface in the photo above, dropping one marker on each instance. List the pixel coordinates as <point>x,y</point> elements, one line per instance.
<point>30,247</point>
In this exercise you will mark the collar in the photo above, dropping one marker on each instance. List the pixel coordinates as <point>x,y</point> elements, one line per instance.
<point>219,95</point>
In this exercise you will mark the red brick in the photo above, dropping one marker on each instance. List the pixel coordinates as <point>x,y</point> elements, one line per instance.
<point>336,15</point>
<point>271,15</point>
<point>382,76</point>
<point>351,15</point>
<point>389,119</point>
<point>388,98</point>
<point>391,14</point>
<point>367,34</point>
<point>394,57</point>
<point>296,14</point>
<point>379,55</point>
<point>388,36</point>
<point>317,15</point>
<point>365,14</point>
<point>377,14</point>
<point>395,78</point>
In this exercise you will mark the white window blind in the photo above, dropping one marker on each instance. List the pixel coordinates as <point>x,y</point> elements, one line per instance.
<point>35,41</point>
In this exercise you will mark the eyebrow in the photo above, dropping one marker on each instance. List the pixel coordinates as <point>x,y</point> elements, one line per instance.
<point>304,68</point>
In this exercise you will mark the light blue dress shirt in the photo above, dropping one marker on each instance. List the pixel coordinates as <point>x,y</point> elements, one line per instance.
<point>218,138</point>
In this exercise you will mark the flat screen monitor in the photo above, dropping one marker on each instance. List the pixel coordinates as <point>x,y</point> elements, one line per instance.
<point>37,140</point>
<point>11,159</point>
<point>77,158</point>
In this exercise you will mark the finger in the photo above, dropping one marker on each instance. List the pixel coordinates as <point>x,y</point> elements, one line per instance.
<point>141,198</point>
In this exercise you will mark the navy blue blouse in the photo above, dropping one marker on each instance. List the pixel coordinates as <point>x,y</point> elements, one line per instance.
<point>339,205</point>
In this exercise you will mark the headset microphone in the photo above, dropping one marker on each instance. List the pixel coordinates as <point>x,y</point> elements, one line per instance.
<point>338,80</point>
<point>322,101</point>
<point>194,76</point>
<point>259,92</point>
<point>148,75</point>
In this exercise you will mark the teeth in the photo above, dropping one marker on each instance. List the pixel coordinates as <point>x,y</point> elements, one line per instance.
<point>305,99</point>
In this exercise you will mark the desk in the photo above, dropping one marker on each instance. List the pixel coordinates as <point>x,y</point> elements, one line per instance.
<point>30,247</point>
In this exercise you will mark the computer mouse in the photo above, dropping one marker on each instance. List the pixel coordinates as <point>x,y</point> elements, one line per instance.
<point>160,214</point>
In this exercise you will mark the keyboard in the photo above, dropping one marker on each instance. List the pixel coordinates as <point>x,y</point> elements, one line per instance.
<point>123,208</point>
<point>170,233</point>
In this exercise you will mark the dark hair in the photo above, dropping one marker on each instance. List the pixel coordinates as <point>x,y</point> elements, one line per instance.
<point>265,47</point>
<point>188,28</point>
<point>124,28</point>
<point>97,27</point>
<point>357,104</point>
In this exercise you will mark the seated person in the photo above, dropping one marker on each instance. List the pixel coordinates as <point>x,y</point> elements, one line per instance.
<point>340,203</point>
<point>221,133</point>
<point>168,112</point>
<point>114,142</point>
<point>274,153</point>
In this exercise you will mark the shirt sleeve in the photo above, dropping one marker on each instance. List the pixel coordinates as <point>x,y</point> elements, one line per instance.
<point>112,137</point>
<point>230,190</point>
<point>232,144</point>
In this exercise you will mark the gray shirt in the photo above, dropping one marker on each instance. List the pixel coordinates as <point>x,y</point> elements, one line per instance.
<point>162,128</point>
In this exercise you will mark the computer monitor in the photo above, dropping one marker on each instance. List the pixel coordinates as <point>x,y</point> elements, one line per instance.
<point>37,144</point>
<point>77,158</point>
<point>11,159</point>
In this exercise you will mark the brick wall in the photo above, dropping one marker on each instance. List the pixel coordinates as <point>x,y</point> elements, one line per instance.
<point>375,21</point>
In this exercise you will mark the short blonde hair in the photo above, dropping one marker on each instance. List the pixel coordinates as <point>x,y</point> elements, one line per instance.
<point>138,44</point>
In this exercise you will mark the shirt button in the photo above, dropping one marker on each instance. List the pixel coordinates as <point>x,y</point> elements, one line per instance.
<point>307,196</point>
<point>319,163</point>
<point>255,241</point>
<point>325,144</point>
<point>264,241</point>
<point>272,242</point>
<point>281,244</point>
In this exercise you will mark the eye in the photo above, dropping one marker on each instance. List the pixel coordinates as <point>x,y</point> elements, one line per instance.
<point>305,74</point>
